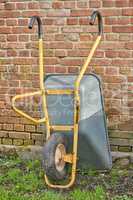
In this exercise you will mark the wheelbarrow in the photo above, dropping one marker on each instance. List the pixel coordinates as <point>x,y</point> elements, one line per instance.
<point>73,108</point>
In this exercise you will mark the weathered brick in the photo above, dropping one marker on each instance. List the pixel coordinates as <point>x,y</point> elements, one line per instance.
<point>30,128</point>
<point>18,127</point>
<point>121,134</point>
<point>3,134</point>
<point>28,142</point>
<point>114,148</point>
<point>18,142</point>
<point>125,148</point>
<point>40,143</point>
<point>7,141</point>
<point>39,137</point>
<point>121,142</point>
<point>8,127</point>
<point>19,135</point>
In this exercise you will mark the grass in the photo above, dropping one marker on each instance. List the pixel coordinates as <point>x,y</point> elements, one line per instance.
<point>24,180</point>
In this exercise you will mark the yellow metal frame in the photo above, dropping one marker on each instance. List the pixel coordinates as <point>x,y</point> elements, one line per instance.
<point>70,158</point>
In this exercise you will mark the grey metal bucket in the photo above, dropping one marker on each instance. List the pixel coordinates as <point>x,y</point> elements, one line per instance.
<point>93,145</point>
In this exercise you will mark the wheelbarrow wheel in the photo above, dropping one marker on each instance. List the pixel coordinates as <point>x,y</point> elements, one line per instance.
<point>53,152</point>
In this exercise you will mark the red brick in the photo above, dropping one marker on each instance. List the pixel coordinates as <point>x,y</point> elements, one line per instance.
<point>69,4</point>
<point>56,13</point>
<point>68,39</point>
<point>61,69</point>
<point>127,12</point>
<point>72,21</point>
<point>57,5</point>
<point>23,38</point>
<point>22,22</point>
<point>50,69</point>
<point>85,37</point>
<point>60,53</point>
<point>111,12</point>
<point>2,38</point>
<point>108,3</point>
<point>124,54</point>
<point>112,37</point>
<point>24,53</point>
<point>5,30</point>
<point>122,29</point>
<point>82,4</point>
<point>2,22</point>
<point>48,21</point>
<point>72,29</point>
<point>30,13</point>
<point>21,6</point>
<point>111,71</point>
<point>11,53</point>
<point>111,54</point>
<point>45,5</point>
<point>122,3</point>
<point>9,6</point>
<point>95,3</point>
<point>84,21</point>
<point>129,45</point>
<point>11,14</point>
<point>122,62</point>
<point>59,37</point>
<point>114,79</point>
<point>80,12</point>
<point>73,69</point>
<point>59,45</point>
<point>12,38</point>
<point>33,5</point>
<point>49,61</point>
<point>2,104</point>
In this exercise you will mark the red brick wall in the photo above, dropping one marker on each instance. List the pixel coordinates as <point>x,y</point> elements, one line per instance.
<point>67,39</point>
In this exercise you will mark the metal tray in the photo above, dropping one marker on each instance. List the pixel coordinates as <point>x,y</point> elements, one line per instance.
<point>93,145</point>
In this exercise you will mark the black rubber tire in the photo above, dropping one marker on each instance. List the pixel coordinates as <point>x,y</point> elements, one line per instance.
<point>49,156</point>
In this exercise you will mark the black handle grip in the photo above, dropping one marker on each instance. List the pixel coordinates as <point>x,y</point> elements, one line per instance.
<point>100,21</point>
<point>32,21</point>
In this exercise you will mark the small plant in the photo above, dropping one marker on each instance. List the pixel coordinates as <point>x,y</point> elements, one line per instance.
<point>124,197</point>
<point>97,194</point>
<point>114,176</point>
<point>24,180</point>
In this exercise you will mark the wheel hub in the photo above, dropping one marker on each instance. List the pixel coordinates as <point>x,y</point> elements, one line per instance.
<point>59,155</point>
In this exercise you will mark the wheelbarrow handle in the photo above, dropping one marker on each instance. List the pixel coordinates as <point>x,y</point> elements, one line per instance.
<point>97,14</point>
<point>32,21</point>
